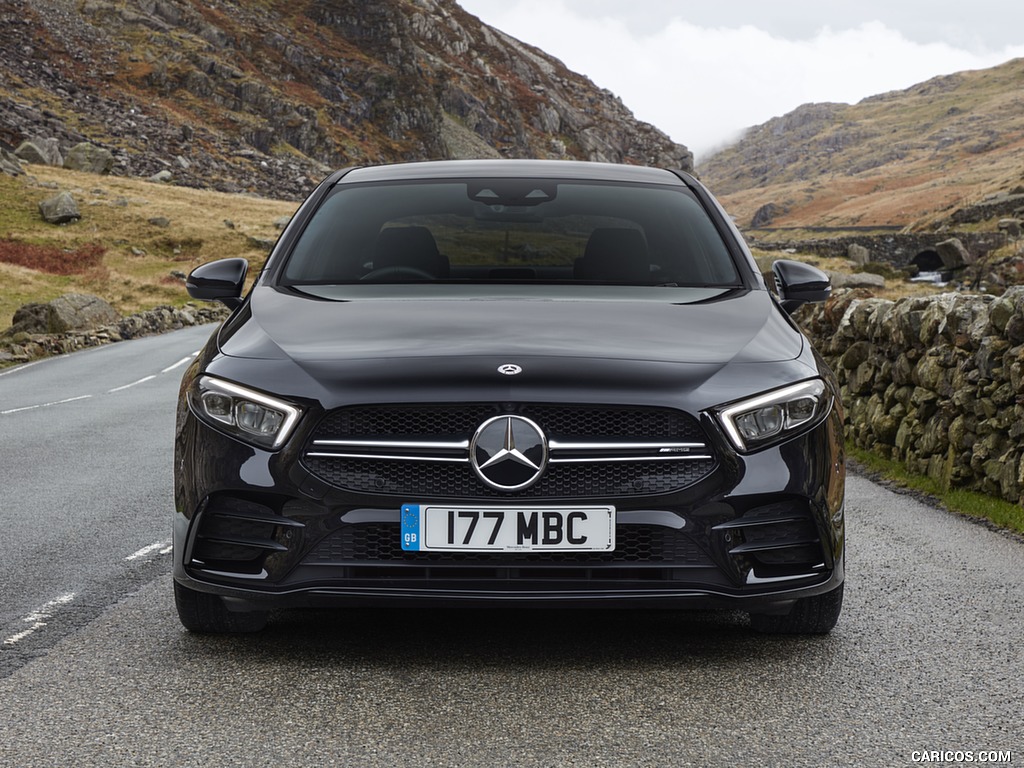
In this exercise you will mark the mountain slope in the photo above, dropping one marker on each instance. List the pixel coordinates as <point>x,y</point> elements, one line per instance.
<point>265,95</point>
<point>905,157</point>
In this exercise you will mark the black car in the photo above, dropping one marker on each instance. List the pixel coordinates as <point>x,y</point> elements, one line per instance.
<point>522,383</point>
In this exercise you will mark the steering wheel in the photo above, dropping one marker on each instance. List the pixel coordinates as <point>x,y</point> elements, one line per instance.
<point>397,273</point>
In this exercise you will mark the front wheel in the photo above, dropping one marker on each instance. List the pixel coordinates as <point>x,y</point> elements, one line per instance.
<point>207,614</point>
<point>815,615</point>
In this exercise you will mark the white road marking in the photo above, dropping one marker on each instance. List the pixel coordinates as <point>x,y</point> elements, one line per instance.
<point>178,364</point>
<point>37,619</point>
<point>161,546</point>
<point>44,405</point>
<point>21,367</point>
<point>143,380</point>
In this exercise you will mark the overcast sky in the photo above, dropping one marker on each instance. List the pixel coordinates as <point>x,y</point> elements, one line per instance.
<point>704,71</point>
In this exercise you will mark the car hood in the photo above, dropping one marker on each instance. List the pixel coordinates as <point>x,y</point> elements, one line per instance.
<point>389,350</point>
<point>744,327</point>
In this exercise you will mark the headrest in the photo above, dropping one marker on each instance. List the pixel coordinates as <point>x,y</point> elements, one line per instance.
<point>413,247</point>
<point>616,254</point>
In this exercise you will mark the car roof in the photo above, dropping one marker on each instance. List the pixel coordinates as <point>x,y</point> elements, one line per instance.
<point>548,169</point>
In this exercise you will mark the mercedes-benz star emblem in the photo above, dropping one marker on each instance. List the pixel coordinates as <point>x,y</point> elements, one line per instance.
<point>509,453</point>
<point>510,369</point>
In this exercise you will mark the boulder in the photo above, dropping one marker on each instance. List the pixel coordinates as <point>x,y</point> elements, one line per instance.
<point>858,280</point>
<point>10,164</point>
<point>1012,227</point>
<point>28,318</point>
<point>60,209</point>
<point>40,152</point>
<point>78,311</point>
<point>262,243</point>
<point>953,254</point>
<point>89,158</point>
<point>765,215</point>
<point>858,254</point>
<point>70,312</point>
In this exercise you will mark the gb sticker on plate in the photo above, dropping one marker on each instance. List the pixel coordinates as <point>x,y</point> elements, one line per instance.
<point>411,527</point>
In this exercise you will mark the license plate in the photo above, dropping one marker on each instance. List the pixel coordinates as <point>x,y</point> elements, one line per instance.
<point>433,528</point>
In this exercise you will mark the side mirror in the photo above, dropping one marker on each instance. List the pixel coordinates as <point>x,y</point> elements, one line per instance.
<point>799,284</point>
<point>219,281</point>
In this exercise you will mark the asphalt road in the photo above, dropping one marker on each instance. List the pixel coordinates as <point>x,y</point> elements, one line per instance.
<point>95,669</point>
<point>85,449</point>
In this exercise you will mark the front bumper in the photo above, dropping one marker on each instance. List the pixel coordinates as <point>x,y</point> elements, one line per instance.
<point>755,534</point>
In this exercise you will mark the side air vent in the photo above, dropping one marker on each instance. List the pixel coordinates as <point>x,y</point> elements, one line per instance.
<point>235,536</point>
<point>778,542</point>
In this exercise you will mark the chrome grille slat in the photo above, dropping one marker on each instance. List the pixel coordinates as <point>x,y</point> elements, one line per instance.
<point>657,446</point>
<point>613,459</point>
<point>417,445</point>
<point>423,450</point>
<point>384,456</point>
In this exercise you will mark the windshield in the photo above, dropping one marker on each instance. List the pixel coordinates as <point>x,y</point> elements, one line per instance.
<point>530,231</point>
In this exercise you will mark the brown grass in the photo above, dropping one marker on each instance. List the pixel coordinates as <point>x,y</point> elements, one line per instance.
<point>51,259</point>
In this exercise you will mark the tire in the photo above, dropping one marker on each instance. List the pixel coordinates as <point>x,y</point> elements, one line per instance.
<point>815,615</point>
<point>206,614</point>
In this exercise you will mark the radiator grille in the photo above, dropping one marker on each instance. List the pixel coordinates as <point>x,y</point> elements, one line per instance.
<point>449,474</point>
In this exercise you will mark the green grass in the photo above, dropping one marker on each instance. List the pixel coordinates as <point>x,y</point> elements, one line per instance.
<point>138,256</point>
<point>970,503</point>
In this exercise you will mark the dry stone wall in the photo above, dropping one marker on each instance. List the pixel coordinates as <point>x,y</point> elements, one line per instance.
<point>936,383</point>
<point>21,347</point>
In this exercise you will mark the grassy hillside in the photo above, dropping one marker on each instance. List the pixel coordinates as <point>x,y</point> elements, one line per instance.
<point>908,158</point>
<point>136,268</point>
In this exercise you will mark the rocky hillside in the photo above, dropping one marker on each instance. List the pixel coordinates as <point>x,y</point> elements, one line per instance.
<point>266,96</point>
<point>924,156</point>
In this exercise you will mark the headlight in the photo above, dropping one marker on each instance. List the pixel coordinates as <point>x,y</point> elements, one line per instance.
<point>251,416</point>
<point>759,421</point>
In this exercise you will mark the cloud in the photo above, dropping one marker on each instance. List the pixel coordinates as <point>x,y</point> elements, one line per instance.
<point>705,85</point>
